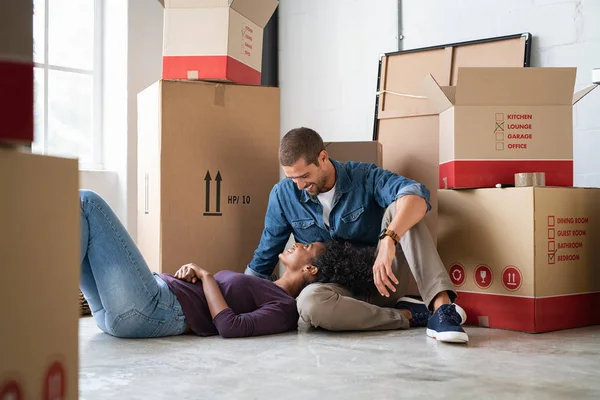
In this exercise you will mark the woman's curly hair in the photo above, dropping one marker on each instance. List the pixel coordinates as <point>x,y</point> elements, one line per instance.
<point>347,265</point>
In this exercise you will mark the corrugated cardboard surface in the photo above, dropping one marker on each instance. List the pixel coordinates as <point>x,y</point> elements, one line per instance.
<point>216,146</point>
<point>368,152</point>
<point>204,39</point>
<point>506,114</point>
<point>408,124</point>
<point>40,260</point>
<point>16,71</point>
<point>16,40</point>
<point>547,237</point>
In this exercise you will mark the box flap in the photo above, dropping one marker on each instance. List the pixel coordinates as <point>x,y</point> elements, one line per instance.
<point>194,3</point>
<point>257,11</point>
<point>440,97</point>
<point>582,93</point>
<point>515,86</point>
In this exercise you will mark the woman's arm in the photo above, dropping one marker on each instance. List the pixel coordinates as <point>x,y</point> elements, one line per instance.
<point>212,292</point>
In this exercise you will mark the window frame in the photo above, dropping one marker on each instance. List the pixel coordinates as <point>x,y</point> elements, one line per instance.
<point>97,144</point>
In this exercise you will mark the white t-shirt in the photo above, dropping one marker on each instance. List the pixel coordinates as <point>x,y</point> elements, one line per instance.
<point>326,200</point>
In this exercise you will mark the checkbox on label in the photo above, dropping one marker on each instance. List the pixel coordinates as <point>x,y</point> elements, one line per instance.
<point>499,137</point>
<point>499,146</point>
<point>499,117</point>
<point>551,220</point>
<point>551,246</point>
<point>552,258</point>
<point>551,233</point>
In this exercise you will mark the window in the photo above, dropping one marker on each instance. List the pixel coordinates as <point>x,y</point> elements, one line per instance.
<point>67,36</point>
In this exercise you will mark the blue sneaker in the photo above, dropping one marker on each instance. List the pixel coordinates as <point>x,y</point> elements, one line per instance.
<point>418,309</point>
<point>445,324</point>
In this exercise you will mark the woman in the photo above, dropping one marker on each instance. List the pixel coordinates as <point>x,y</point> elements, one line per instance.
<point>128,300</point>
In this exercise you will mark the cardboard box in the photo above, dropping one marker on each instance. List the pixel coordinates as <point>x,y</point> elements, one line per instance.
<point>497,122</point>
<point>368,152</point>
<point>16,71</point>
<point>218,40</point>
<point>524,259</point>
<point>207,157</point>
<point>407,124</point>
<point>40,266</point>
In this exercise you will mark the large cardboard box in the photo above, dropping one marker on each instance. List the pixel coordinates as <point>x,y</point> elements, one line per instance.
<point>16,71</point>
<point>497,122</point>
<point>215,40</point>
<point>368,152</point>
<point>524,259</point>
<point>207,157</point>
<point>407,124</point>
<point>40,267</point>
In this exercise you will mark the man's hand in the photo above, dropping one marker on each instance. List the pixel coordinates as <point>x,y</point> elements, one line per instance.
<point>191,273</point>
<point>382,269</point>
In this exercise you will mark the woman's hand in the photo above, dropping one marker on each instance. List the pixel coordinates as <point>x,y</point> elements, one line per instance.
<point>191,273</point>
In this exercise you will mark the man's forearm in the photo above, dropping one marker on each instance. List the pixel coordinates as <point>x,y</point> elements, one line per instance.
<point>214,297</point>
<point>410,209</point>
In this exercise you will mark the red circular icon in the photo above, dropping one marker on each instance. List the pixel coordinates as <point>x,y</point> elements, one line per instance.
<point>483,276</point>
<point>55,386</point>
<point>11,390</point>
<point>511,278</point>
<point>457,274</point>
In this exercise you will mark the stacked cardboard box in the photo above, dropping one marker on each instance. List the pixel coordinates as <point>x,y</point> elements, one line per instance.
<point>215,40</point>
<point>207,151</point>
<point>16,72</point>
<point>521,258</point>
<point>39,236</point>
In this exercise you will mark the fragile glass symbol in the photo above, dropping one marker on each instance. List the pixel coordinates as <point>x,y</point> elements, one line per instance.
<point>483,274</point>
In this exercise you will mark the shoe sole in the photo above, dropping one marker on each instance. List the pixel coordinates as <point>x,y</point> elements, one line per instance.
<point>449,337</point>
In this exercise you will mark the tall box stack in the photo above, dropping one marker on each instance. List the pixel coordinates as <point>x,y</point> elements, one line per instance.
<point>207,163</point>
<point>39,261</point>
<point>16,71</point>
<point>521,258</point>
<point>39,236</point>
<point>218,40</point>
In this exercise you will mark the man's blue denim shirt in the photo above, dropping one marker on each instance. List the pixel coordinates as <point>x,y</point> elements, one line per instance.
<point>362,194</point>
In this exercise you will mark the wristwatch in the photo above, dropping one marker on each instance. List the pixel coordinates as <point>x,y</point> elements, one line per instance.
<point>392,234</point>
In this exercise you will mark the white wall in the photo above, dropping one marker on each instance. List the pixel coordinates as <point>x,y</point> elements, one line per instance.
<point>144,67</point>
<point>328,58</point>
<point>132,61</point>
<point>565,33</point>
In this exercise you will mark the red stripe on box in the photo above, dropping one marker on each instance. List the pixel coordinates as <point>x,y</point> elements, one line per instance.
<point>488,173</point>
<point>211,68</point>
<point>16,101</point>
<point>505,312</point>
<point>531,315</point>
<point>565,312</point>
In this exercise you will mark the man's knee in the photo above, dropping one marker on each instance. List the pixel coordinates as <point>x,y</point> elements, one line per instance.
<point>316,303</point>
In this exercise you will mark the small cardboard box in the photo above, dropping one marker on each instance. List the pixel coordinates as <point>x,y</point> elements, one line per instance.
<point>207,161</point>
<point>367,152</point>
<point>524,259</point>
<point>500,121</point>
<point>217,40</point>
<point>16,72</point>
<point>40,266</point>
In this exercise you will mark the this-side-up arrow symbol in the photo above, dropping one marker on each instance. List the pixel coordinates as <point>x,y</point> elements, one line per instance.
<point>218,179</point>
<point>207,178</point>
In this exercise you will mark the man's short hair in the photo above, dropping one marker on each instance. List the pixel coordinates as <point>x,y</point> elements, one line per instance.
<point>300,143</point>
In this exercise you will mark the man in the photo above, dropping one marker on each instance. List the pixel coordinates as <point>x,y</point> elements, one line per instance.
<point>323,199</point>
